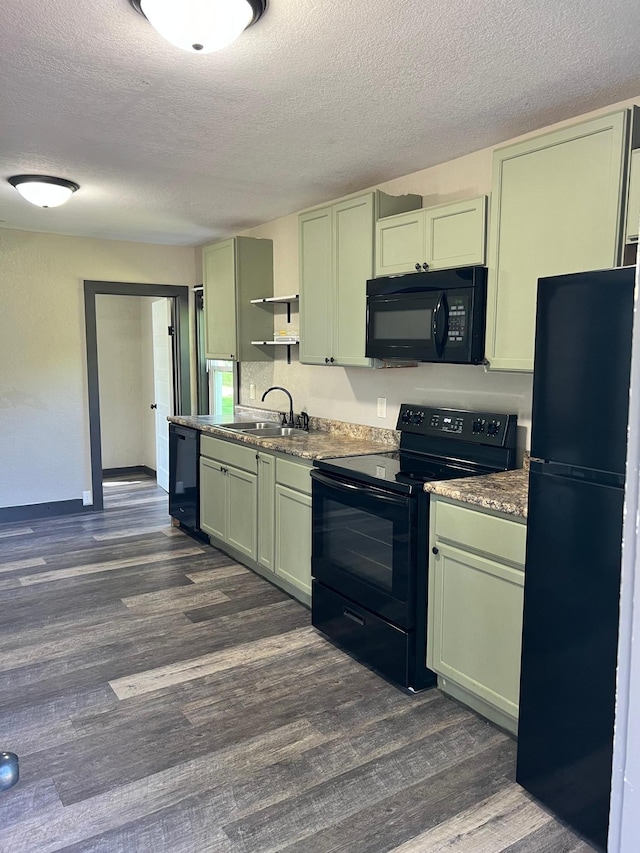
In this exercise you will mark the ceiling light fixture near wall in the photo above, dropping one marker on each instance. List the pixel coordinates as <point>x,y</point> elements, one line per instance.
<point>43,190</point>
<point>200,26</point>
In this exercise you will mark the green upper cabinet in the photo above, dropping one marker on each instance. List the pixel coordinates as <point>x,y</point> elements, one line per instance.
<point>353,256</point>
<point>633,205</point>
<point>557,207</point>
<point>236,271</point>
<point>441,237</point>
<point>315,242</point>
<point>401,243</point>
<point>336,248</point>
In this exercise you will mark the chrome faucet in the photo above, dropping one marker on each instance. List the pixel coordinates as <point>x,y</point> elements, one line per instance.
<point>285,422</point>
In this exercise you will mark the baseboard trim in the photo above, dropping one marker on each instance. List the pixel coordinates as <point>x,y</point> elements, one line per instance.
<point>129,471</point>
<point>45,510</point>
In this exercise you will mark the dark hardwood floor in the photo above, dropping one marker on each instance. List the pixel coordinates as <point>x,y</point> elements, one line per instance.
<point>163,698</point>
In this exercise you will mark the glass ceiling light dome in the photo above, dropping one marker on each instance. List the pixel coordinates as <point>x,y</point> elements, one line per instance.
<point>200,26</point>
<point>43,190</point>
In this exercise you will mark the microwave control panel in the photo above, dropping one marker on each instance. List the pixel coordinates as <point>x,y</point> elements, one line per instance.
<point>482,427</point>
<point>457,322</point>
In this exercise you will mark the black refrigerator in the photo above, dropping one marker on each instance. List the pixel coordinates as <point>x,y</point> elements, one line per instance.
<point>574,533</point>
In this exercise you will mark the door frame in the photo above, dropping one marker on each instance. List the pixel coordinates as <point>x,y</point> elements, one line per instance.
<point>181,362</point>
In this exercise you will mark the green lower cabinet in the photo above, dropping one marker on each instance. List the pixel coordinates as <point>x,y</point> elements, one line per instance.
<point>242,490</point>
<point>293,537</point>
<point>477,607</point>
<point>228,505</point>
<point>259,505</point>
<point>266,509</point>
<point>213,504</point>
<point>475,611</point>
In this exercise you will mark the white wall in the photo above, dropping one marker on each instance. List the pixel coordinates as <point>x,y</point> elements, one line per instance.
<point>147,391</point>
<point>351,394</point>
<point>44,421</point>
<point>118,327</point>
<point>125,373</point>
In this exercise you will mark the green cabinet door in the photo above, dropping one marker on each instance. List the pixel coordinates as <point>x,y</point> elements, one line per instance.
<point>213,498</point>
<point>315,241</point>
<point>234,272</point>
<point>353,251</point>
<point>400,243</point>
<point>442,237</point>
<point>455,234</point>
<point>242,506</point>
<point>475,613</point>
<point>556,208</point>
<point>219,283</point>
<point>633,202</point>
<point>266,509</point>
<point>293,538</point>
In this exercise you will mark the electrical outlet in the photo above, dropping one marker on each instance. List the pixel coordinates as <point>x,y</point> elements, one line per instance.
<point>87,499</point>
<point>382,407</point>
<point>252,391</point>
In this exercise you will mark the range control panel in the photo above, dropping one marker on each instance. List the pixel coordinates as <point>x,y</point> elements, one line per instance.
<point>482,427</point>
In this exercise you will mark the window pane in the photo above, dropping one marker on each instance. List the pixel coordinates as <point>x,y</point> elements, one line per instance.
<point>222,387</point>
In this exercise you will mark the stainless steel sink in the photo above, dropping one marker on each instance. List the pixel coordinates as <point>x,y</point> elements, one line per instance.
<point>273,432</point>
<point>241,426</point>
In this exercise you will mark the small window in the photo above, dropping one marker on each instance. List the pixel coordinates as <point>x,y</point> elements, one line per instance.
<point>221,388</point>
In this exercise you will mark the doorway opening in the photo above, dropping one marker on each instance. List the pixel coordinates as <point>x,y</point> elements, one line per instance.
<point>138,374</point>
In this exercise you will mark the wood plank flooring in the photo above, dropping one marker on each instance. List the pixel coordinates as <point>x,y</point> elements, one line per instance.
<point>163,698</point>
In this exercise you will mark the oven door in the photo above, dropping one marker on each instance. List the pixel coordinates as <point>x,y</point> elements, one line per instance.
<point>364,545</point>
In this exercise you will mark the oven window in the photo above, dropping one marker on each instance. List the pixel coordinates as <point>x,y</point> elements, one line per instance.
<point>360,542</point>
<point>403,324</point>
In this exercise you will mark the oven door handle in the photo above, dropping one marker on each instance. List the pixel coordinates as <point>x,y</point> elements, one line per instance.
<point>359,489</point>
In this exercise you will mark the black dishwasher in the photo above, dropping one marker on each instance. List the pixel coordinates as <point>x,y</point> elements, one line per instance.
<point>184,450</point>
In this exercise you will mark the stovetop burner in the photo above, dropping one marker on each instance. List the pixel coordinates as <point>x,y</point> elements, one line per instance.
<point>398,470</point>
<point>435,444</point>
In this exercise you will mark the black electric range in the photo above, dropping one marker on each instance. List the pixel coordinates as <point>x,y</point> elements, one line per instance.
<point>370,533</point>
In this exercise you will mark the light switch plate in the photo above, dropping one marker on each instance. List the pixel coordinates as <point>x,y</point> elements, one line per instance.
<point>252,391</point>
<point>87,499</point>
<point>382,407</point>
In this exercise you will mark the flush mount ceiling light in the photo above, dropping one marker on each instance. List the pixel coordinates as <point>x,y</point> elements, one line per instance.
<point>200,26</point>
<point>43,190</point>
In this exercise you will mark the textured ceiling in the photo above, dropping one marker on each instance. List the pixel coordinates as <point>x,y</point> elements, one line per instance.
<point>317,100</point>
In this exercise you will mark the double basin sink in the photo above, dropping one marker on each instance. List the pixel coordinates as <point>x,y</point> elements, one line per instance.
<point>264,429</point>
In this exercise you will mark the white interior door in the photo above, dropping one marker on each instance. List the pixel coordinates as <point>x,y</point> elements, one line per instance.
<point>163,385</point>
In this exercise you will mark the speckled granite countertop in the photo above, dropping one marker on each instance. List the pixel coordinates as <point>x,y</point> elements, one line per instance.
<point>326,438</point>
<point>504,492</point>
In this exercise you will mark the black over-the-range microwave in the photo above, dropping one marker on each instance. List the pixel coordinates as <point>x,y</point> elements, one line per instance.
<point>431,316</point>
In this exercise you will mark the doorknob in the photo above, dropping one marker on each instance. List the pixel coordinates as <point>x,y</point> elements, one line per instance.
<point>153,406</point>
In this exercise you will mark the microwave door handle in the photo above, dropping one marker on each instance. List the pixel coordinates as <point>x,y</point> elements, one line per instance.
<point>440,323</point>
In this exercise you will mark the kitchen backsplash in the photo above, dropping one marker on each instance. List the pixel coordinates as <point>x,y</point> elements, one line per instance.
<point>351,394</point>
<point>338,428</point>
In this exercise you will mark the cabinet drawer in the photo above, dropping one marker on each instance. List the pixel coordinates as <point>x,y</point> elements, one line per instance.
<point>229,453</point>
<point>479,531</point>
<point>293,474</point>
